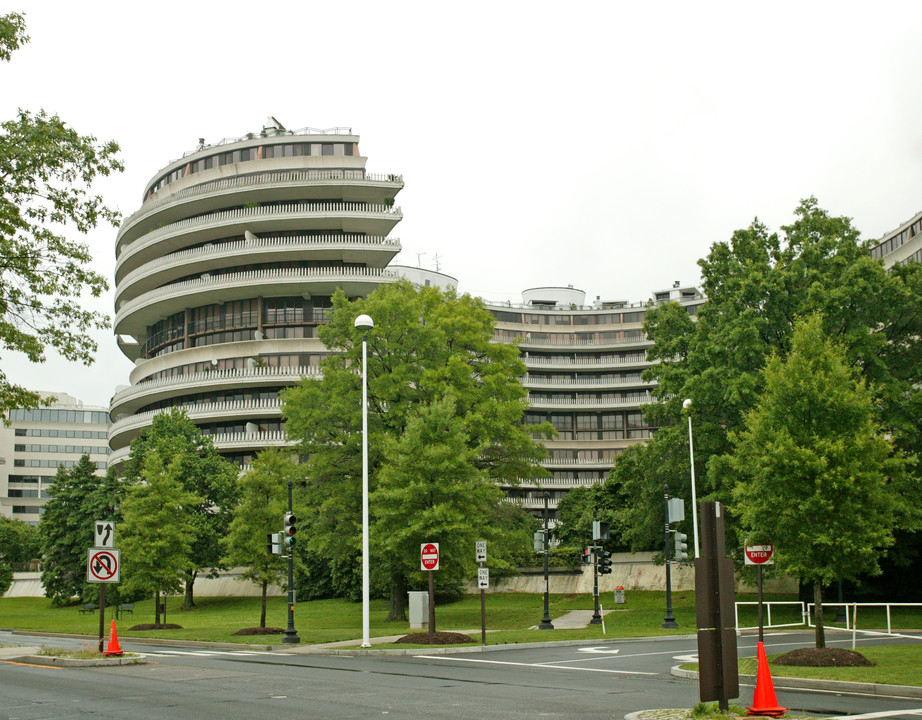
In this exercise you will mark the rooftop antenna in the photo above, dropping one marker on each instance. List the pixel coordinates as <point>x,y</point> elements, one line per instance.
<point>435,260</point>
<point>419,257</point>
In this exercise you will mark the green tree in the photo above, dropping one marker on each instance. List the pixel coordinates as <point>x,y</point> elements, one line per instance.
<point>156,534</point>
<point>203,473</point>
<point>46,171</point>
<point>19,543</point>
<point>263,503</point>
<point>425,346</point>
<point>813,447</point>
<point>757,285</point>
<point>79,498</point>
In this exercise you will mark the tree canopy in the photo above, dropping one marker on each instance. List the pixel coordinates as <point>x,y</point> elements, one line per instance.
<point>202,473</point>
<point>78,499</point>
<point>430,360</point>
<point>757,286</point>
<point>813,447</point>
<point>46,173</point>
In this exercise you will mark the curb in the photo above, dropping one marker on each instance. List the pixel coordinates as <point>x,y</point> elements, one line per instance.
<point>52,661</point>
<point>791,683</point>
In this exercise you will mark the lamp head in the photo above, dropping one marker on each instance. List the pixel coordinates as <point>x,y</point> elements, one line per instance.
<point>687,403</point>
<point>364,322</point>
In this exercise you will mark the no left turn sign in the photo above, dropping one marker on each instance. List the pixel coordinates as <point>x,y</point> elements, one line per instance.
<point>102,566</point>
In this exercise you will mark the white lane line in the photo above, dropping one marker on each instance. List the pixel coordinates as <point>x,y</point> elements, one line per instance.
<point>535,665</point>
<point>883,714</point>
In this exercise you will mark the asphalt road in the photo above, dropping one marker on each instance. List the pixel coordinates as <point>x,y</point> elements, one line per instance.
<point>604,680</point>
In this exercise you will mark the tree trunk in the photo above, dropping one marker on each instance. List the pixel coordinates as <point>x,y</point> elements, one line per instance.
<point>189,600</point>
<point>262,616</point>
<point>397,612</point>
<point>157,607</point>
<point>818,611</point>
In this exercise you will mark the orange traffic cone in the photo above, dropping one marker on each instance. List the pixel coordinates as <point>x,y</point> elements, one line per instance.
<point>113,648</point>
<point>765,702</point>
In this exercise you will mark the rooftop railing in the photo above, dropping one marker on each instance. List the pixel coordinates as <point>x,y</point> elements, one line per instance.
<point>273,133</point>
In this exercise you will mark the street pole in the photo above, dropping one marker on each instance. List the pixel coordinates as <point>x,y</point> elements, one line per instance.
<point>365,322</point>
<point>669,622</point>
<point>546,620</point>
<point>691,457</point>
<point>291,635</point>
<point>596,615</point>
<point>760,604</point>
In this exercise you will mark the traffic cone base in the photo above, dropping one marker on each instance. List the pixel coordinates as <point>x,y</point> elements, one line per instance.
<point>765,702</point>
<point>112,648</point>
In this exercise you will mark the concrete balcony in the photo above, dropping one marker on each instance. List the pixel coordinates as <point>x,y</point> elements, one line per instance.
<point>580,383</point>
<point>585,363</point>
<point>350,218</point>
<point>127,401</point>
<point>134,316</point>
<point>631,401</point>
<point>529,341</point>
<point>124,430</point>
<point>360,249</point>
<point>347,184</point>
<point>225,442</point>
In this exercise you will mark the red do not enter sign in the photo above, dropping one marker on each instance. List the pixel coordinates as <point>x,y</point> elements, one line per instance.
<point>759,554</point>
<point>429,556</point>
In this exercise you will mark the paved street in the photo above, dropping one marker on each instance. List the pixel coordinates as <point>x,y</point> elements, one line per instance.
<point>601,680</point>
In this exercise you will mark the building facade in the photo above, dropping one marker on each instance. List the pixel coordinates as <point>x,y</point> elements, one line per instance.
<point>38,442</point>
<point>901,245</point>
<point>584,364</point>
<point>227,269</point>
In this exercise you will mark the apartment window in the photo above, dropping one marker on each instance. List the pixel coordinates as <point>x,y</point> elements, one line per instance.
<point>326,149</point>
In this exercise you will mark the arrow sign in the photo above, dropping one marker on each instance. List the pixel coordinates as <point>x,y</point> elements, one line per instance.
<point>105,533</point>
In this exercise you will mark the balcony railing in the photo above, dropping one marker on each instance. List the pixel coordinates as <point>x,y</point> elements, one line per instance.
<point>255,277</point>
<point>529,339</point>
<point>240,247</point>
<point>263,408</point>
<point>536,360</point>
<point>224,217</point>
<point>579,381</point>
<point>631,400</point>
<point>347,176</point>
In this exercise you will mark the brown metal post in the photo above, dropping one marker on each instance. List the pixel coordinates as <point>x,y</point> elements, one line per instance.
<point>483,616</point>
<point>102,613</point>
<point>431,607</point>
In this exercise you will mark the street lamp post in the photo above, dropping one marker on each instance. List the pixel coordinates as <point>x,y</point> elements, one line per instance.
<point>365,323</point>
<point>691,456</point>
<point>546,623</point>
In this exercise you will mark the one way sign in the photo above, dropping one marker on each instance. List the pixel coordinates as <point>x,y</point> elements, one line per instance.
<point>105,534</point>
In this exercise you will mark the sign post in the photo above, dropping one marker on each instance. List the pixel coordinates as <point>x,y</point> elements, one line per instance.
<point>429,560</point>
<point>483,582</point>
<point>103,563</point>
<point>759,555</point>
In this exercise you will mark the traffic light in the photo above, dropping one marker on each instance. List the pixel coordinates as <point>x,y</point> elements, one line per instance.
<point>288,534</point>
<point>587,556</point>
<point>604,562</point>
<point>681,546</point>
<point>600,530</point>
<point>274,543</point>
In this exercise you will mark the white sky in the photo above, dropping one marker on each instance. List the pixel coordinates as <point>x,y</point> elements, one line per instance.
<point>605,145</point>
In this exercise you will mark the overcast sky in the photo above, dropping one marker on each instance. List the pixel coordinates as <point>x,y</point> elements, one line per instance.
<point>605,145</point>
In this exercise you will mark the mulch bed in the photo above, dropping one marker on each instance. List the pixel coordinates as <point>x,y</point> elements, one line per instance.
<point>823,657</point>
<point>438,638</point>
<point>260,631</point>
<point>156,626</point>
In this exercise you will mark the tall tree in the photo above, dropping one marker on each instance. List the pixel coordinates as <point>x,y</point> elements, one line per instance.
<point>263,502</point>
<point>79,497</point>
<point>156,533</point>
<point>425,345</point>
<point>813,447</point>
<point>203,473</point>
<point>46,172</point>
<point>757,284</point>
<point>19,543</point>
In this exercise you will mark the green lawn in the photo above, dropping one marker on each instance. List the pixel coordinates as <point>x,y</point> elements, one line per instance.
<point>217,618</point>
<point>896,665</point>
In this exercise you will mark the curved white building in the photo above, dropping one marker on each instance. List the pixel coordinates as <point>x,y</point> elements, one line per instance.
<point>227,268</point>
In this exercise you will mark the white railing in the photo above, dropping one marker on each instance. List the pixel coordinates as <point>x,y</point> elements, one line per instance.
<point>144,387</point>
<point>851,624</point>
<point>253,277</point>
<point>557,380</point>
<point>567,307</point>
<point>531,502</point>
<point>577,461</point>
<point>238,247</point>
<point>768,619</point>
<point>270,407</point>
<point>224,217</point>
<point>625,400</point>
<point>550,482</point>
<point>531,341</point>
<point>275,132</point>
<point>300,177</point>
<point>274,437</point>
<point>532,360</point>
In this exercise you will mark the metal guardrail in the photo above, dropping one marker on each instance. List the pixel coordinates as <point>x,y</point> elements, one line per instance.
<point>851,624</point>
<point>768,606</point>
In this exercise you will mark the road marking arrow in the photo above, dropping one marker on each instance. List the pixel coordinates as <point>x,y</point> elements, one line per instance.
<point>601,650</point>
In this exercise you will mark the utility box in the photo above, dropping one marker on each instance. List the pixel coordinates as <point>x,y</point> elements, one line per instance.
<point>419,610</point>
<point>619,596</point>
